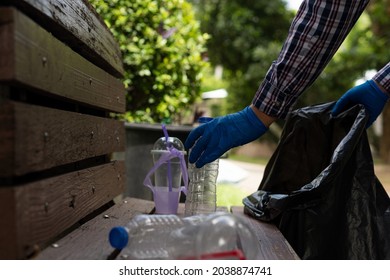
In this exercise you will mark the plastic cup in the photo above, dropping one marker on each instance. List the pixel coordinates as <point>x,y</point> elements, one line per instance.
<point>166,202</point>
<point>169,173</point>
<point>167,184</point>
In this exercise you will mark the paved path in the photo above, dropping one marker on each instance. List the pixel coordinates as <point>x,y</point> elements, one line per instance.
<point>246,176</point>
<point>383,174</point>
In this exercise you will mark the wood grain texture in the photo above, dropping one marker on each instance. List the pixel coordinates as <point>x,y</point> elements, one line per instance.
<point>90,241</point>
<point>35,138</point>
<point>34,58</point>
<point>77,24</point>
<point>41,210</point>
<point>273,244</point>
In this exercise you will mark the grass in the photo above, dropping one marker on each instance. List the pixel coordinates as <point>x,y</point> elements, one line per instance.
<point>229,195</point>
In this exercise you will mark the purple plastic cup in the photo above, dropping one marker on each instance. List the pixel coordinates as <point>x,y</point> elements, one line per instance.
<point>168,171</point>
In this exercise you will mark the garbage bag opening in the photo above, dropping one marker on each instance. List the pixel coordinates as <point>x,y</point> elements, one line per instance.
<point>320,189</point>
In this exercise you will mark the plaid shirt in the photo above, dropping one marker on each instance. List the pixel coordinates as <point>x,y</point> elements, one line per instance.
<point>317,31</point>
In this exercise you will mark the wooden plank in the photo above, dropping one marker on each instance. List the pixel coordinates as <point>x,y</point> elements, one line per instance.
<point>90,241</point>
<point>32,57</point>
<point>10,246</point>
<point>35,138</point>
<point>77,24</point>
<point>273,245</point>
<point>42,210</point>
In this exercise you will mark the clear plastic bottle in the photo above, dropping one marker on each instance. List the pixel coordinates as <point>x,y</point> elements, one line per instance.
<point>202,188</point>
<point>222,234</point>
<point>148,236</point>
<point>214,236</point>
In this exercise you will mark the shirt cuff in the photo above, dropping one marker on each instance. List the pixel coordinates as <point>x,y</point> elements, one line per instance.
<point>272,101</point>
<point>383,78</point>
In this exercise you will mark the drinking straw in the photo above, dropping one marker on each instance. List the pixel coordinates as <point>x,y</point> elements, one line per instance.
<point>169,161</point>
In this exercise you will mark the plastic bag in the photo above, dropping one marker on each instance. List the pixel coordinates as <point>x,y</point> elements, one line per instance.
<point>320,189</point>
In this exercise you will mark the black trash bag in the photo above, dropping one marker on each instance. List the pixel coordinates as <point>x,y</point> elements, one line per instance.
<point>320,189</point>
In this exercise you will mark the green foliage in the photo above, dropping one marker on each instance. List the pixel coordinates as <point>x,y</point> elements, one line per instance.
<point>243,85</point>
<point>378,13</point>
<point>238,27</point>
<point>246,36</point>
<point>162,48</point>
<point>210,82</point>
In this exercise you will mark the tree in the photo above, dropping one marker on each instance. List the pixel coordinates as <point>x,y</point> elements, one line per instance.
<point>162,48</point>
<point>379,13</point>
<point>245,37</point>
<point>238,27</point>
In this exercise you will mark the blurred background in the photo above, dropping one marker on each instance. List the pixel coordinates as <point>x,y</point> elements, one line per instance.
<point>188,58</point>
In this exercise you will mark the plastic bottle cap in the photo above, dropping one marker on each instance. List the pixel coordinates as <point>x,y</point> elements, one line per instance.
<point>204,119</point>
<point>118,237</point>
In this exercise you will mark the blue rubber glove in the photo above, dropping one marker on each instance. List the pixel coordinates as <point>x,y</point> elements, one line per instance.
<point>369,95</point>
<point>211,140</point>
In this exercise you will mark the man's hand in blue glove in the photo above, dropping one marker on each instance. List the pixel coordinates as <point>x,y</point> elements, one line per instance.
<point>369,95</point>
<point>211,140</point>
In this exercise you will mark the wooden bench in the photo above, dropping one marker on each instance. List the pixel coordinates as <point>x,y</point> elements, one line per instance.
<point>90,241</point>
<point>60,188</point>
<point>59,82</point>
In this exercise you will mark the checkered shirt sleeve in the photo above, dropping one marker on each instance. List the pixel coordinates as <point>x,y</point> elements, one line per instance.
<point>315,34</point>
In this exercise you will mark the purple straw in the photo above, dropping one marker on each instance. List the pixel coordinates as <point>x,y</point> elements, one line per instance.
<point>169,161</point>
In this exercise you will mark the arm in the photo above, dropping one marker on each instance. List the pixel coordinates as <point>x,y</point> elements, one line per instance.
<point>382,79</point>
<point>315,34</point>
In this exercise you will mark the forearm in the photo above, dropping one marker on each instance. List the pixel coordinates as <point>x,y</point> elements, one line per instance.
<point>264,118</point>
<point>315,34</point>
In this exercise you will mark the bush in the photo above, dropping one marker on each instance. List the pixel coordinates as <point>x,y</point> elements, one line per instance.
<point>162,49</point>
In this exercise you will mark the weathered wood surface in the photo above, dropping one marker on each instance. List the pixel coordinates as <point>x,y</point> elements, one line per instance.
<point>77,24</point>
<point>35,138</point>
<point>273,244</point>
<point>90,241</point>
<point>34,58</point>
<point>37,212</point>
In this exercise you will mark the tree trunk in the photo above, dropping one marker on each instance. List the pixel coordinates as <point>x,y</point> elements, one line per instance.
<point>379,12</point>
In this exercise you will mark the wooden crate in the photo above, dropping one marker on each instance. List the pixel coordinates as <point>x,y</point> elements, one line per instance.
<point>60,71</point>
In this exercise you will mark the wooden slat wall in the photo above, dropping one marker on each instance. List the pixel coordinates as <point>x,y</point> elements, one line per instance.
<point>35,138</point>
<point>41,210</point>
<point>59,70</point>
<point>75,23</point>
<point>90,242</point>
<point>34,58</point>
